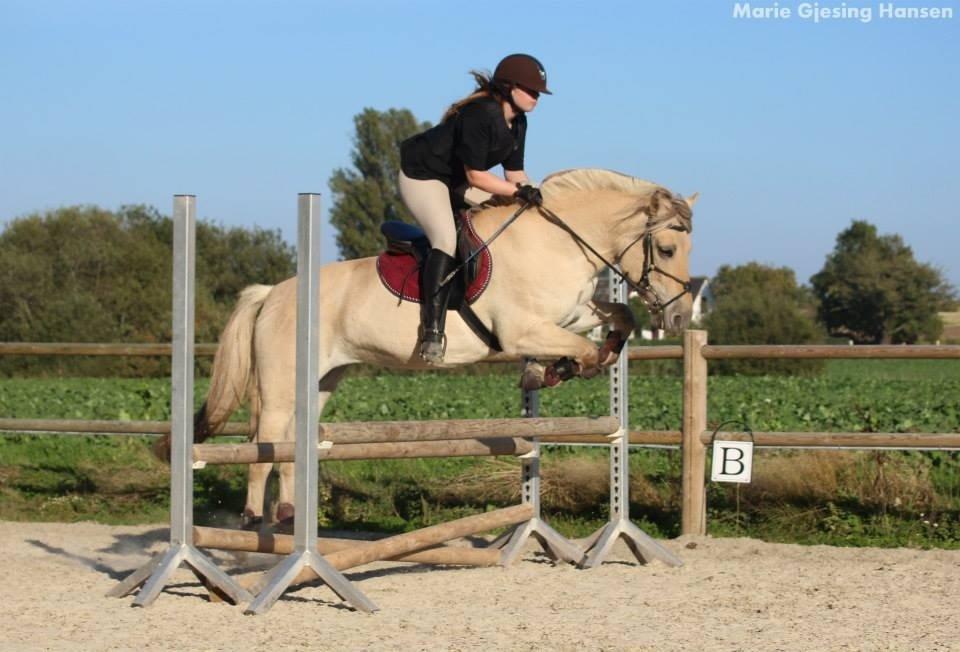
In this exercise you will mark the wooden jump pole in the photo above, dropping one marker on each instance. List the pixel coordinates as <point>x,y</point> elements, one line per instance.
<point>375,432</point>
<point>409,542</point>
<point>284,451</point>
<point>693,518</point>
<point>636,437</point>
<point>352,432</point>
<point>282,544</point>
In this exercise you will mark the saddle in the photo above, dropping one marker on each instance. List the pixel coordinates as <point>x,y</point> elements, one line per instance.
<point>400,269</point>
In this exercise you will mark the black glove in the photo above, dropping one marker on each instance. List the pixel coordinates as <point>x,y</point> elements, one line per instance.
<point>529,194</point>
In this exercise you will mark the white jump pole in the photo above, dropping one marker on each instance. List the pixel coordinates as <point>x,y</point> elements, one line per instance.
<point>600,543</point>
<point>307,417</point>
<point>553,543</point>
<point>157,572</point>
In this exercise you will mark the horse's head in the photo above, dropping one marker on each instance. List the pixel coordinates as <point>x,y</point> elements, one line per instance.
<point>657,260</point>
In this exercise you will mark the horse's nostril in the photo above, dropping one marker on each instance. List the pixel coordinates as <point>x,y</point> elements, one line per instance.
<point>677,322</point>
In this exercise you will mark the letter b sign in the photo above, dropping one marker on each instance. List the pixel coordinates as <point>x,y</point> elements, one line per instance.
<point>732,461</point>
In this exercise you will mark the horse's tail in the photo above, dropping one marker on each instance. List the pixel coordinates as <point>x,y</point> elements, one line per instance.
<point>232,375</point>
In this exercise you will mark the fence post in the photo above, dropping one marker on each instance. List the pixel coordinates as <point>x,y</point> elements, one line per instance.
<point>694,510</point>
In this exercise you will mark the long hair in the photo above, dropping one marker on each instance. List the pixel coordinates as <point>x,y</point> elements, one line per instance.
<point>486,87</point>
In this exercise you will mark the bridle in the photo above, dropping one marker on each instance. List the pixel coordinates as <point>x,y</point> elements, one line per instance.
<point>643,287</point>
<point>654,304</point>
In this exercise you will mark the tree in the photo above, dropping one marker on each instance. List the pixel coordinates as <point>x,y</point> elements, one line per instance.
<point>368,194</point>
<point>872,290</point>
<point>757,304</point>
<point>85,274</point>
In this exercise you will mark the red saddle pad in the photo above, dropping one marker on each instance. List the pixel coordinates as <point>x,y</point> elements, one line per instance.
<point>400,272</point>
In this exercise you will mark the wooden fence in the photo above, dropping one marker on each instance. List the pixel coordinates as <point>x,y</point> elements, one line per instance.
<point>693,437</point>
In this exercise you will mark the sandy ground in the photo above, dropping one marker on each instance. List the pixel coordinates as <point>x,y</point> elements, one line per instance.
<point>731,594</point>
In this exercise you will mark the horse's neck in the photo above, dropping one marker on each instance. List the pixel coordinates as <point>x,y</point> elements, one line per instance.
<point>599,221</point>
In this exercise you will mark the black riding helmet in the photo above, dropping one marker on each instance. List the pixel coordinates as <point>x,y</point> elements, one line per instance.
<point>522,70</point>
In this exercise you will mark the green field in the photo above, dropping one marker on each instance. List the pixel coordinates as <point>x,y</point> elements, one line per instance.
<point>840,497</point>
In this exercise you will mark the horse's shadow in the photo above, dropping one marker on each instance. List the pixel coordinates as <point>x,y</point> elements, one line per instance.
<point>242,562</point>
<point>136,544</point>
<point>143,541</point>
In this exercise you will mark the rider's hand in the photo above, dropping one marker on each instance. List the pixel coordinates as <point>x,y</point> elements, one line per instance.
<point>529,194</point>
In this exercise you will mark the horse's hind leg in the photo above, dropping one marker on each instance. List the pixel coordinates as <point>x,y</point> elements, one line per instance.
<point>272,427</point>
<point>285,509</point>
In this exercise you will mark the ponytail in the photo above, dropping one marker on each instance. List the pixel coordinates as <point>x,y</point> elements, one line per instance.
<point>486,87</point>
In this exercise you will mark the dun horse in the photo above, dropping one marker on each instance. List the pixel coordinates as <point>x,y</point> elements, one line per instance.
<point>537,301</point>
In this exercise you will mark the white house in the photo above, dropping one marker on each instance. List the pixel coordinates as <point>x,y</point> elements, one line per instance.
<point>702,298</point>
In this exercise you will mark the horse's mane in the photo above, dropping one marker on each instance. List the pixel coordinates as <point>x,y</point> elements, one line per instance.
<point>598,179</point>
<point>586,179</point>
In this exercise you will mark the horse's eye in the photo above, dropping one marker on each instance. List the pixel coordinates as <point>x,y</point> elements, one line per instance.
<point>666,252</point>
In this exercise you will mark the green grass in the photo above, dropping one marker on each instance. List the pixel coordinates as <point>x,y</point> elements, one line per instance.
<point>59,478</point>
<point>900,370</point>
<point>861,498</point>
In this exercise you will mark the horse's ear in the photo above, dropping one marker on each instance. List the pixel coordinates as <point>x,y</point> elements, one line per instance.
<point>692,199</point>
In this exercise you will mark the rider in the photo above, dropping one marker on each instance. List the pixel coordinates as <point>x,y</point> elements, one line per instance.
<point>484,129</point>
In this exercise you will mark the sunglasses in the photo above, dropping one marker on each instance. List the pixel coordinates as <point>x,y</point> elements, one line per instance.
<point>529,91</point>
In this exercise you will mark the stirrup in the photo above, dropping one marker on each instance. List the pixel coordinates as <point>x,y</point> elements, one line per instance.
<point>431,357</point>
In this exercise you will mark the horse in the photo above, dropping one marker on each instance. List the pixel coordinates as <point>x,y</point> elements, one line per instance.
<point>537,303</point>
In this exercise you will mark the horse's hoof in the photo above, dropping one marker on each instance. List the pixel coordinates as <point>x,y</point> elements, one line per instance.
<point>249,521</point>
<point>532,377</point>
<point>606,359</point>
<point>561,370</point>
<point>432,352</point>
<point>284,513</point>
<point>552,377</point>
<point>609,352</point>
<point>590,372</point>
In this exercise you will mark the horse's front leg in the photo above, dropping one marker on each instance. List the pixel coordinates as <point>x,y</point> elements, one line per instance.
<point>597,313</point>
<point>622,323</point>
<point>545,340</point>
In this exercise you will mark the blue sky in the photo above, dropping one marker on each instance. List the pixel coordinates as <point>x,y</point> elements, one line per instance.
<point>789,129</point>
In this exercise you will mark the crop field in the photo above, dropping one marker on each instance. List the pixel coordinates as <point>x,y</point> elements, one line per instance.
<point>853,395</point>
<point>840,497</point>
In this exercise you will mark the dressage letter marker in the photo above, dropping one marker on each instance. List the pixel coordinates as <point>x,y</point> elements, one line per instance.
<point>732,461</point>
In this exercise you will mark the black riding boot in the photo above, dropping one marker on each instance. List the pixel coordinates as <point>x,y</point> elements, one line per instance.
<point>433,310</point>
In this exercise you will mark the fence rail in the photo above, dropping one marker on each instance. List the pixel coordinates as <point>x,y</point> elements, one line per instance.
<point>830,352</point>
<point>97,348</point>
<point>693,437</point>
<point>664,352</point>
<point>163,349</point>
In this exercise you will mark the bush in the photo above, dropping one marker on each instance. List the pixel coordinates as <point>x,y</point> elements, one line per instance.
<point>756,304</point>
<point>85,274</point>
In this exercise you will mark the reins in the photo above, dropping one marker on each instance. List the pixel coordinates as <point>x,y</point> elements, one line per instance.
<point>644,287</point>
<point>510,220</point>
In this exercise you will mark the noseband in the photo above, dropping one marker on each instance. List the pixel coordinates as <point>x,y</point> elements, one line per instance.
<point>643,288</point>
